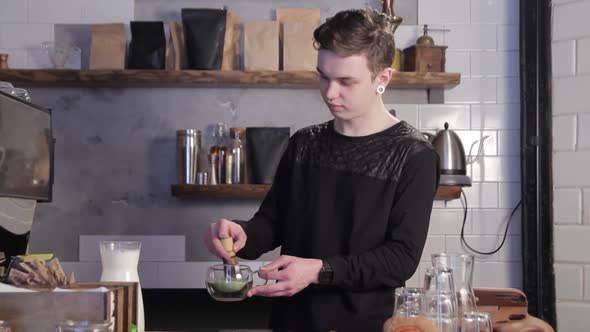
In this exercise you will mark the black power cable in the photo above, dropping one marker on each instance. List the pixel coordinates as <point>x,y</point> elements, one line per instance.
<point>465,219</point>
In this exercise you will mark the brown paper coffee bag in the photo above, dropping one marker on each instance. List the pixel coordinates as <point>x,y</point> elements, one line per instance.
<point>176,51</point>
<point>231,45</point>
<point>261,45</point>
<point>108,46</point>
<point>296,37</point>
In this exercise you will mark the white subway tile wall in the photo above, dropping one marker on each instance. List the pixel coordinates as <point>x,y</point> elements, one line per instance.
<point>564,132</point>
<point>509,143</point>
<point>567,206</point>
<point>451,12</point>
<point>473,90</point>
<point>507,11</point>
<point>509,194</point>
<point>583,49</point>
<point>13,11</point>
<point>571,168</point>
<point>570,95</point>
<point>25,24</point>
<point>571,244</point>
<point>55,11</point>
<point>583,134</point>
<point>570,21</point>
<point>458,62</point>
<point>491,63</point>
<point>569,281</point>
<point>508,37</point>
<point>433,116</point>
<point>564,55</point>
<point>471,37</point>
<point>495,116</point>
<point>485,11</point>
<point>573,316</point>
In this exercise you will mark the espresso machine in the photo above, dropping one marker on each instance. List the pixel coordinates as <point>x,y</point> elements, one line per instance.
<point>26,169</point>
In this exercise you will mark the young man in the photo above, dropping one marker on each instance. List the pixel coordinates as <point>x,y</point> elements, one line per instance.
<point>351,199</point>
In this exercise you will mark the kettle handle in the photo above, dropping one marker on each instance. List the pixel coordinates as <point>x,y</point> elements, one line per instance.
<point>428,136</point>
<point>479,155</point>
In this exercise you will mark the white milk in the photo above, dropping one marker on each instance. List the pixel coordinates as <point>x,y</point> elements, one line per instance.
<point>121,265</point>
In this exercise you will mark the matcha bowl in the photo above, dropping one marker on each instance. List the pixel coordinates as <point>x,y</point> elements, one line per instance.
<point>229,283</point>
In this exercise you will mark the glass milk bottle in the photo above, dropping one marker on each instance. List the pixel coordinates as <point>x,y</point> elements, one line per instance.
<point>119,263</point>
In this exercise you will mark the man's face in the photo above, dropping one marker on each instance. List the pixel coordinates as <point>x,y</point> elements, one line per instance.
<point>346,85</point>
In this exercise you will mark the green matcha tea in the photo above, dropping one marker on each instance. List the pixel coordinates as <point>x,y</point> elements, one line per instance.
<point>234,290</point>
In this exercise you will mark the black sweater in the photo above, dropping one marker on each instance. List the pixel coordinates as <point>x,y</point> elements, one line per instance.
<point>361,203</point>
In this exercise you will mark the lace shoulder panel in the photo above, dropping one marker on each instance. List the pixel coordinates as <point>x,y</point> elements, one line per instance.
<point>381,155</point>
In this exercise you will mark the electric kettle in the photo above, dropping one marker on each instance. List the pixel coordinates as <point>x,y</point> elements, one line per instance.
<point>453,162</point>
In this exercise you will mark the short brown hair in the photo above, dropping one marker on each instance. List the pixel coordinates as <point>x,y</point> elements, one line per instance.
<point>359,31</point>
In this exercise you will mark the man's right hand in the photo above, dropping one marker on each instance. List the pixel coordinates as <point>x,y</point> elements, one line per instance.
<point>222,229</point>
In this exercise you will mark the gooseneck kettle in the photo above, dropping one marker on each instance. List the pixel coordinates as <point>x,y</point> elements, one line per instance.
<point>453,162</point>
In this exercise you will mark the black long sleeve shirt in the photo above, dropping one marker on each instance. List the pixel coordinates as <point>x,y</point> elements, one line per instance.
<point>361,203</point>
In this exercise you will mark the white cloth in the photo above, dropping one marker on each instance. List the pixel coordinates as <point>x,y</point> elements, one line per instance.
<point>16,214</point>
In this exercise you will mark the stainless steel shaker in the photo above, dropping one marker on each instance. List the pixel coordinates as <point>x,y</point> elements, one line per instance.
<point>187,151</point>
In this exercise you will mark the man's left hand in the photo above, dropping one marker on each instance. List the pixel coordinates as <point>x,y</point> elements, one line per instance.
<point>291,273</point>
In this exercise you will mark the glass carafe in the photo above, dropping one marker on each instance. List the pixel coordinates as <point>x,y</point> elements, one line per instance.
<point>461,266</point>
<point>119,263</point>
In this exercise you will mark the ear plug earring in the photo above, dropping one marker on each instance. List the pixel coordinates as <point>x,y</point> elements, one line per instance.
<point>380,89</point>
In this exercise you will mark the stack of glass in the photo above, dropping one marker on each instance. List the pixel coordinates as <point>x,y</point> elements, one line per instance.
<point>446,303</point>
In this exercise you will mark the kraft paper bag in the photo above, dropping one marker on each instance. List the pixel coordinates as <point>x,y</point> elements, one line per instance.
<point>261,45</point>
<point>108,46</point>
<point>176,49</point>
<point>298,50</point>
<point>296,37</point>
<point>231,45</point>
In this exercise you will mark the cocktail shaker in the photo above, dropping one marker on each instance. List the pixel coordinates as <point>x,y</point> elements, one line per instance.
<point>187,151</point>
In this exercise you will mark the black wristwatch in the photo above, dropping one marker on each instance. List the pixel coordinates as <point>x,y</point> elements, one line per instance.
<point>326,274</point>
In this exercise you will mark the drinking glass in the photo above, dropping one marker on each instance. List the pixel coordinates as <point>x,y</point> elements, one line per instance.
<point>440,299</point>
<point>229,283</point>
<point>22,94</point>
<point>408,302</point>
<point>441,309</point>
<point>439,279</point>
<point>476,322</point>
<point>461,266</point>
<point>7,88</point>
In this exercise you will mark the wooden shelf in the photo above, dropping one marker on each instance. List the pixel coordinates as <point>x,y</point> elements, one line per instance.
<point>212,78</point>
<point>221,190</point>
<point>444,193</point>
